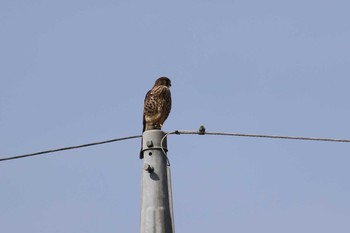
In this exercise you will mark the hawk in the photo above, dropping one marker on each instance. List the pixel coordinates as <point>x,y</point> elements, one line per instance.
<point>157,106</point>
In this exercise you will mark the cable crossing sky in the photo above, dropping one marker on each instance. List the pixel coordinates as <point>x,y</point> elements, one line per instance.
<point>201,131</point>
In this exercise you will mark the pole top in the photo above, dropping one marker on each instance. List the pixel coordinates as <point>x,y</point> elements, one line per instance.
<point>152,139</point>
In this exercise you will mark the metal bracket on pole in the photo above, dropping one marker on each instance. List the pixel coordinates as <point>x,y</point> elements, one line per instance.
<point>156,199</point>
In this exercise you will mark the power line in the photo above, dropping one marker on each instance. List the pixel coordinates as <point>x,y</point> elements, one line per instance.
<point>69,148</point>
<point>201,131</point>
<point>259,136</point>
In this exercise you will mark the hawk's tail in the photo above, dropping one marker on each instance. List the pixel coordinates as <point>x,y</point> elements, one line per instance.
<point>143,130</point>
<point>141,152</point>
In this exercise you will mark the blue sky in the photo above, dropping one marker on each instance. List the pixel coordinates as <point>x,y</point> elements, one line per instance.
<point>74,72</point>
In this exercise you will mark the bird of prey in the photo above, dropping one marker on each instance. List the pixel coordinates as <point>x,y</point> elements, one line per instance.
<point>157,105</point>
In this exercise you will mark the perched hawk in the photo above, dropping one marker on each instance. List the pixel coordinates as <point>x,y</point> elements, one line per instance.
<point>157,105</point>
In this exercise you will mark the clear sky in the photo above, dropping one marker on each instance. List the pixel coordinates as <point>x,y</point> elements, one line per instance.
<point>75,71</point>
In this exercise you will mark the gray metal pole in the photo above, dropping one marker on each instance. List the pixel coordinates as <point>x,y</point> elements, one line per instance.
<point>156,200</point>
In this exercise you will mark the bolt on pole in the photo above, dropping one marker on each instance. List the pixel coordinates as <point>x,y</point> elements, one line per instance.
<point>156,196</point>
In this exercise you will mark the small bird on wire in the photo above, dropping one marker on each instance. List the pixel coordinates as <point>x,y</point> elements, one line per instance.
<point>157,106</point>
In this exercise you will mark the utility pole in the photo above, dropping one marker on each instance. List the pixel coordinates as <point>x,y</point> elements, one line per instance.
<point>156,199</point>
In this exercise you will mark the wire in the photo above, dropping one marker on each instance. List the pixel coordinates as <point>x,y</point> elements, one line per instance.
<point>161,146</point>
<point>69,148</point>
<point>261,136</point>
<point>201,131</point>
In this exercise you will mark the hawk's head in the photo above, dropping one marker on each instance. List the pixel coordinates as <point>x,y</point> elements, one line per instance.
<point>164,81</point>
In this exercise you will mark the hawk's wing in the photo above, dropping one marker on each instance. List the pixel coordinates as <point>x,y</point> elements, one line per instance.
<point>147,107</point>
